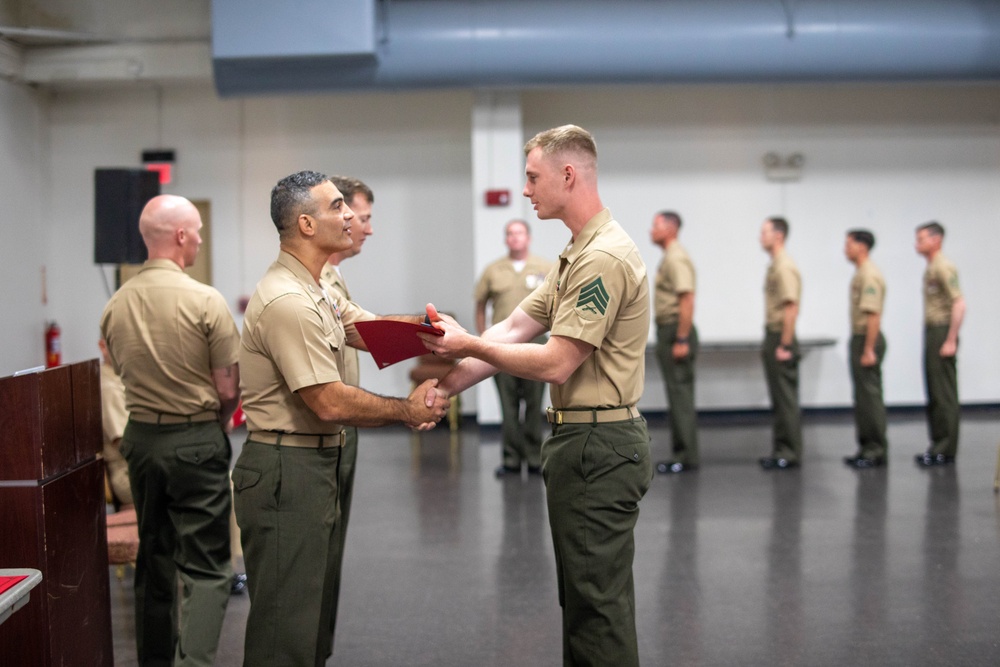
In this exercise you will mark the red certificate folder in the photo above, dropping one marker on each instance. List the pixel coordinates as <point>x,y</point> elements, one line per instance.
<point>10,582</point>
<point>391,341</point>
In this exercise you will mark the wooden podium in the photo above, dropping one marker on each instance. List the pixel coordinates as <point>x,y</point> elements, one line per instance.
<point>53,517</point>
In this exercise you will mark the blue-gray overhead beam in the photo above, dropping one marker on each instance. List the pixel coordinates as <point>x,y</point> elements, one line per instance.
<point>262,46</point>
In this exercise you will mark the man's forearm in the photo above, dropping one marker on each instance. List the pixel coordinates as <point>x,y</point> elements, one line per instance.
<point>874,323</point>
<point>227,387</point>
<point>685,314</point>
<point>790,314</point>
<point>955,322</point>
<point>466,373</point>
<point>343,404</point>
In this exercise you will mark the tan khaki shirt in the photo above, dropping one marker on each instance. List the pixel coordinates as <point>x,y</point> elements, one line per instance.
<point>352,369</point>
<point>674,276</point>
<point>506,287</point>
<point>293,337</point>
<point>867,295</point>
<point>166,332</point>
<point>940,290</point>
<point>598,295</point>
<point>782,285</point>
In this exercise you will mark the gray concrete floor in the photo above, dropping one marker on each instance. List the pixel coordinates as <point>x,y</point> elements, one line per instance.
<point>447,565</point>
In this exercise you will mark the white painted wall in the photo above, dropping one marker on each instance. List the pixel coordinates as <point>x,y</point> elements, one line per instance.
<point>25,227</point>
<point>886,157</point>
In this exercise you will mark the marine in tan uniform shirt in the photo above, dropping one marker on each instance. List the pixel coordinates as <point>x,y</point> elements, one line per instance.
<point>504,285</point>
<point>596,307</point>
<point>676,341</point>
<point>174,343</point>
<point>866,350</point>
<point>944,310</point>
<point>780,352</point>
<point>287,476</point>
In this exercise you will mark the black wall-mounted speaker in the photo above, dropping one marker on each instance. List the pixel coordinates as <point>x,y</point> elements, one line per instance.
<point>119,196</point>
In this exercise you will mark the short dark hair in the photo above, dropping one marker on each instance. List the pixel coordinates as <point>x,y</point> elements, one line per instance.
<point>291,197</point>
<point>862,236</point>
<point>350,186</point>
<point>671,217</point>
<point>933,227</point>
<point>779,224</point>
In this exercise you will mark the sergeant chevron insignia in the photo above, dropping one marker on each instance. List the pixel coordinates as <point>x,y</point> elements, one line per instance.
<point>593,301</point>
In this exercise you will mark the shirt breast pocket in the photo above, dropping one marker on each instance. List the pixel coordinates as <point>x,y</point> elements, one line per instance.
<point>333,332</point>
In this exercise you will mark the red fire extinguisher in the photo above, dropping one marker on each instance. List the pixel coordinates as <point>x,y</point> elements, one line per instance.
<point>53,346</point>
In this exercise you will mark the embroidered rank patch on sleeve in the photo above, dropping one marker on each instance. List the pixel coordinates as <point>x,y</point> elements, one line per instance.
<point>593,301</point>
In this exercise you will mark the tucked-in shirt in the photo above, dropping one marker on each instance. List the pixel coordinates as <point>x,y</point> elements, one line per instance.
<point>867,295</point>
<point>503,286</point>
<point>166,332</point>
<point>940,290</point>
<point>674,276</point>
<point>334,281</point>
<point>599,294</point>
<point>782,285</point>
<point>293,337</point>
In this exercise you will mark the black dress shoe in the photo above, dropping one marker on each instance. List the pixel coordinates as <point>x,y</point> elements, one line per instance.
<point>851,460</point>
<point>928,460</point>
<point>534,470</point>
<point>668,467</point>
<point>861,462</point>
<point>771,463</point>
<point>507,470</point>
<point>238,584</point>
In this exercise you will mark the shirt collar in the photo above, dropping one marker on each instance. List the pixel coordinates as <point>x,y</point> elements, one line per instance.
<point>160,263</point>
<point>586,235</point>
<point>298,269</point>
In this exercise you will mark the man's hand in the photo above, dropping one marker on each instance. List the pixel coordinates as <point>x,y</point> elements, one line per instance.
<point>680,350</point>
<point>949,349</point>
<point>426,406</point>
<point>432,395</point>
<point>430,399</point>
<point>782,353</point>
<point>451,344</point>
<point>868,358</point>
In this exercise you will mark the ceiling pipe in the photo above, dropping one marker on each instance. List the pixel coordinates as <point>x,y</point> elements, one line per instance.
<point>521,44</point>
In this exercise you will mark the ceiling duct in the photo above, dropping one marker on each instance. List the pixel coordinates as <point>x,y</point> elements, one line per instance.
<point>261,46</point>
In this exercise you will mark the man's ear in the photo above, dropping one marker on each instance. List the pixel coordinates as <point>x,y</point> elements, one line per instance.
<point>180,235</point>
<point>569,173</point>
<point>307,225</point>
